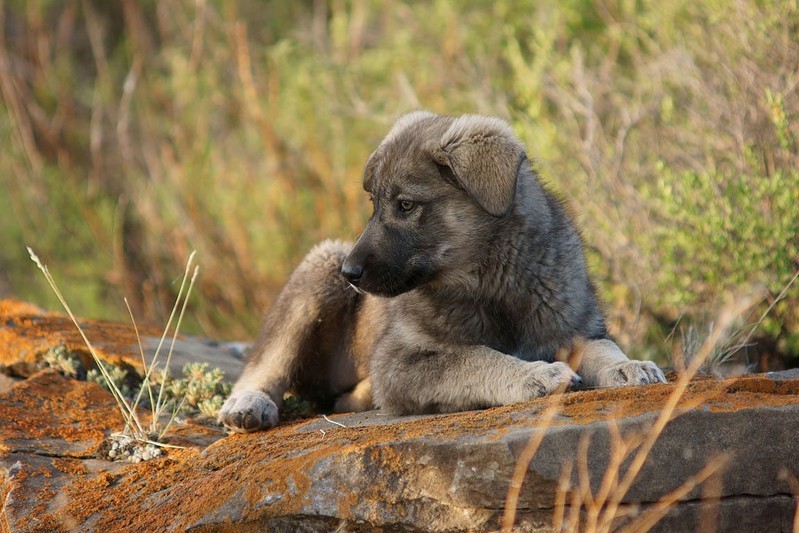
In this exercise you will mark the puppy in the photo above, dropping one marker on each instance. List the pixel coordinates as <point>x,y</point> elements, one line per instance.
<point>467,282</point>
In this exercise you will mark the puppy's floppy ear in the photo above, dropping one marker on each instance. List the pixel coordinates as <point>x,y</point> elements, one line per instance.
<point>484,155</point>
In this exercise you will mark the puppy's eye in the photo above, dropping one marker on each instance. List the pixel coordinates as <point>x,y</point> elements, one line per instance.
<point>406,206</point>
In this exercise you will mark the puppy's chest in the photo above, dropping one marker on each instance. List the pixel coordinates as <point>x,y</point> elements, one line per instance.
<point>506,330</point>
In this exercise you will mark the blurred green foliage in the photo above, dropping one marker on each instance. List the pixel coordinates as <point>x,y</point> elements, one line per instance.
<point>136,131</point>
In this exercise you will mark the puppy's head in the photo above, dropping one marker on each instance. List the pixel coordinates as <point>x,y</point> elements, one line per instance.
<point>437,183</point>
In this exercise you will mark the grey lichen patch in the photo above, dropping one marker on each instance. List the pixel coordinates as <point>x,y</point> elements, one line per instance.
<point>121,447</point>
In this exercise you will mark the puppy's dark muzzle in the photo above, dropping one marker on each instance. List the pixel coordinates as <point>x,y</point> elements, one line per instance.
<point>352,273</point>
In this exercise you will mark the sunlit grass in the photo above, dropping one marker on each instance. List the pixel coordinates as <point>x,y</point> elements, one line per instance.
<point>240,129</point>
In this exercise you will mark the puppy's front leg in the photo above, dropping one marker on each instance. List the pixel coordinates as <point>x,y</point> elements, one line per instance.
<point>257,395</point>
<point>289,347</point>
<point>408,380</point>
<point>603,364</point>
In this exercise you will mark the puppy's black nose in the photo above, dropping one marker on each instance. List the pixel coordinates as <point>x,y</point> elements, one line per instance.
<point>352,272</point>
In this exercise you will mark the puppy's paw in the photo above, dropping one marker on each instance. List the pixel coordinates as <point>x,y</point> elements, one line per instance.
<point>631,373</point>
<point>248,411</point>
<point>545,378</point>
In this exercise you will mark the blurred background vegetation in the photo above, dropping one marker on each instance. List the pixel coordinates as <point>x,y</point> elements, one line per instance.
<point>136,131</point>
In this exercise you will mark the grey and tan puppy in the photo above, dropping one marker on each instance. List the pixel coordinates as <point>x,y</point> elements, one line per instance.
<point>467,282</point>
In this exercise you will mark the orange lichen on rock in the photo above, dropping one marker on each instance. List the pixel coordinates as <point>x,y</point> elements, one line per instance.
<point>12,307</point>
<point>72,467</point>
<point>26,332</point>
<point>278,466</point>
<point>47,413</point>
<point>726,395</point>
<point>377,470</point>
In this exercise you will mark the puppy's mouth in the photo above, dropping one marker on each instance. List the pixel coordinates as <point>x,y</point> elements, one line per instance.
<point>388,282</point>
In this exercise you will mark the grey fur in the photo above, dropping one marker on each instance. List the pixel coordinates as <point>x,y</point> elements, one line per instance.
<point>467,283</point>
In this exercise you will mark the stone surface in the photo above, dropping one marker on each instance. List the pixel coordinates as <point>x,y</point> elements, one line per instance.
<point>792,373</point>
<point>416,473</point>
<point>6,382</point>
<point>228,357</point>
<point>363,471</point>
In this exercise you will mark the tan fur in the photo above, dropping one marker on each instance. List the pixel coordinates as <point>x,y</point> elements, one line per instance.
<point>467,289</point>
<point>358,399</point>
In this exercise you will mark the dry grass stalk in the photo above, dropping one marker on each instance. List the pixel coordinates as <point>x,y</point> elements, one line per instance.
<point>793,483</point>
<point>622,447</point>
<point>128,414</point>
<point>560,497</point>
<point>711,502</point>
<point>604,508</point>
<point>726,319</point>
<point>520,469</point>
<point>757,324</point>
<point>133,425</point>
<point>652,516</point>
<point>159,403</point>
<point>574,357</point>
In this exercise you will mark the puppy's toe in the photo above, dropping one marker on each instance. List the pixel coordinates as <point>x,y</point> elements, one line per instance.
<point>632,373</point>
<point>546,378</point>
<point>248,411</point>
<point>653,373</point>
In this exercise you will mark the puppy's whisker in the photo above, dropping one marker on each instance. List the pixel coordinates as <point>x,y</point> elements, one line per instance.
<point>356,289</point>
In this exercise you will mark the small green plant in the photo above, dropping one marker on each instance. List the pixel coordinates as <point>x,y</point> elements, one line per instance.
<point>200,389</point>
<point>117,377</point>
<point>61,359</point>
<point>295,408</point>
<point>136,441</point>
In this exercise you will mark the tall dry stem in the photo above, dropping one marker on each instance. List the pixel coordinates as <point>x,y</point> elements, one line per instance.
<point>128,414</point>
<point>725,320</point>
<point>520,469</point>
<point>604,508</point>
<point>652,516</point>
<point>711,501</point>
<point>788,476</point>
<point>620,449</point>
<point>128,409</point>
<point>146,380</point>
<point>148,369</point>
<point>560,497</point>
<point>159,404</point>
